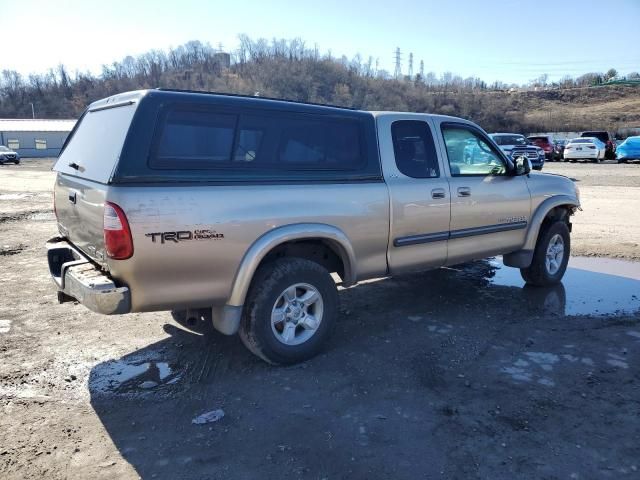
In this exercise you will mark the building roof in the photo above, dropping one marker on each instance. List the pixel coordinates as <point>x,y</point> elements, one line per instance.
<point>29,125</point>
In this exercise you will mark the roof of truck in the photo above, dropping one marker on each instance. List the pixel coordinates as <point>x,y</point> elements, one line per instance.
<point>134,96</point>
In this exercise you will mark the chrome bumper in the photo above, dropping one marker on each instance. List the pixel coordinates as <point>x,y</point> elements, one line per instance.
<point>76,277</point>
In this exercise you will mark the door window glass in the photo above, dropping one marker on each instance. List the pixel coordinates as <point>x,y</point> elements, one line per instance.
<point>470,154</point>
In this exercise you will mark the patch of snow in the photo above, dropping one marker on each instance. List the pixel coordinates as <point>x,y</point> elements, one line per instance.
<point>208,417</point>
<point>5,326</point>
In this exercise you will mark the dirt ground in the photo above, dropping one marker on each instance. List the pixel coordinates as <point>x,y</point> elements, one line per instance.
<point>458,373</point>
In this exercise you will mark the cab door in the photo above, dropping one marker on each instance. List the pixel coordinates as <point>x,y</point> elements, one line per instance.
<point>490,207</point>
<point>418,191</point>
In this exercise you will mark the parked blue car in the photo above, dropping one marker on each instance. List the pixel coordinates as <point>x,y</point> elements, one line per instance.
<point>629,150</point>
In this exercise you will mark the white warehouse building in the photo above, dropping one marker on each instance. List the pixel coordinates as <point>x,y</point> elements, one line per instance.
<point>35,138</point>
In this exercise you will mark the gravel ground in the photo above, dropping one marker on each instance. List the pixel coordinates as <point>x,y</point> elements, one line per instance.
<point>609,224</point>
<point>458,373</point>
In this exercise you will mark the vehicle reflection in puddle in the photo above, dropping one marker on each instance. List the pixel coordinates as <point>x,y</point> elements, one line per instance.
<point>591,286</point>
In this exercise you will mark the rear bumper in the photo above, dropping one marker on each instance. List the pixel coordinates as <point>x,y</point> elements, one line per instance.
<point>75,276</point>
<point>584,154</point>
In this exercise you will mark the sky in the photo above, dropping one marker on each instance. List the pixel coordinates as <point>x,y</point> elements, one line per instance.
<point>510,41</point>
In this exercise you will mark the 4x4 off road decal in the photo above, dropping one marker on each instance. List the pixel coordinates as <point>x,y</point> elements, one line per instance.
<point>184,235</point>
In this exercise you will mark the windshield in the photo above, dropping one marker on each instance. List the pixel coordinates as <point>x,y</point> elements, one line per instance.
<point>509,139</point>
<point>582,140</point>
<point>4,149</point>
<point>632,141</point>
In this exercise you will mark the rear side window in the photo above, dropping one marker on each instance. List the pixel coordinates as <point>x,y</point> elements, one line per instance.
<point>205,140</point>
<point>192,139</point>
<point>414,149</point>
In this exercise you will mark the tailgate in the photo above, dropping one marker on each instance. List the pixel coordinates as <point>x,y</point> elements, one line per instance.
<point>80,208</point>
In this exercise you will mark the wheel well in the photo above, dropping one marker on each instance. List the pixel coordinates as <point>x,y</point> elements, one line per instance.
<point>559,213</point>
<point>319,251</point>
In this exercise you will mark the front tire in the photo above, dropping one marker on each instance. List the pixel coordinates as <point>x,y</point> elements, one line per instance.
<point>290,312</point>
<point>550,257</point>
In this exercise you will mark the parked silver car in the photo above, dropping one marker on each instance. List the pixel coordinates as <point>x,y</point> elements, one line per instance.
<point>7,155</point>
<point>241,208</point>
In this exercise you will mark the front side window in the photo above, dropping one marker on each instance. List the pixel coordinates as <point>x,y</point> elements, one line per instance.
<point>13,144</point>
<point>194,139</point>
<point>414,149</point>
<point>470,154</point>
<point>41,144</point>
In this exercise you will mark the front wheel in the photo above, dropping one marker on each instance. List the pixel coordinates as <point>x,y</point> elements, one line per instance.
<point>290,312</point>
<point>550,257</point>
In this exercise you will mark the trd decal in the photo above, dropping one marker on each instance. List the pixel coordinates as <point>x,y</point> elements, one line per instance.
<point>184,235</point>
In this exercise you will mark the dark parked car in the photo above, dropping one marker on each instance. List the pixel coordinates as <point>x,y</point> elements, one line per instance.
<point>545,142</point>
<point>8,155</point>
<point>558,150</point>
<point>607,139</point>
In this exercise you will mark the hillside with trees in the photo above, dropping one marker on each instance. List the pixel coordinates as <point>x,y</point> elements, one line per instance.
<point>289,69</point>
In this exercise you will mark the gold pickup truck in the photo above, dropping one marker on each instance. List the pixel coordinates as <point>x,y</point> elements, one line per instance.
<point>244,207</point>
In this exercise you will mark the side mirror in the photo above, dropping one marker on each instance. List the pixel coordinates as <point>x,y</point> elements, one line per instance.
<point>523,166</point>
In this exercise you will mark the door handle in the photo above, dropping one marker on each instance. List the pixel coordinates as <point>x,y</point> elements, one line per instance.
<point>464,192</point>
<point>72,197</point>
<point>438,193</point>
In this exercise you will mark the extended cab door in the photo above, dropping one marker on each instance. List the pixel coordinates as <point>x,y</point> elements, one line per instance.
<point>490,207</point>
<point>418,190</point>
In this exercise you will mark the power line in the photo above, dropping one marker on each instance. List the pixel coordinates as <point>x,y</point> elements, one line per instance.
<point>398,59</point>
<point>410,65</point>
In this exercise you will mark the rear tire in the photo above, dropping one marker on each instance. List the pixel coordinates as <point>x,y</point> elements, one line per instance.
<point>550,257</point>
<point>290,312</point>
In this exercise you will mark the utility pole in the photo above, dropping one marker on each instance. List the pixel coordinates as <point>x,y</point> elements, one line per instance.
<point>33,110</point>
<point>422,70</point>
<point>410,65</point>
<point>398,59</point>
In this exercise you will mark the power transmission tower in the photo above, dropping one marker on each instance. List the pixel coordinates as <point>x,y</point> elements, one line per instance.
<point>398,59</point>
<point>410,65</point>
<point>422,70</point>
<point>220,47</point>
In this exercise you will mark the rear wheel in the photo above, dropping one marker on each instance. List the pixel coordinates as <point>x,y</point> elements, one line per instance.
<point>550,257</point>
<point>290,312</point>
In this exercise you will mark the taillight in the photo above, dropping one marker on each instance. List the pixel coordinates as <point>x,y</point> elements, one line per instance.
<point>117,235</point>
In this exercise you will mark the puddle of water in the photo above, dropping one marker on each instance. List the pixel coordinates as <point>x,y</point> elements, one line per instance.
<point>591,286</point>
<point>110,375</point>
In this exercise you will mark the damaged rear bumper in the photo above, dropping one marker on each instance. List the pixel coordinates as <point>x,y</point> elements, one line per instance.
<point>77,277</point>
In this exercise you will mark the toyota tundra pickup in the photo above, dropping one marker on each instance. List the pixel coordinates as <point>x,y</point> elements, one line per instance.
<point>253,210</point>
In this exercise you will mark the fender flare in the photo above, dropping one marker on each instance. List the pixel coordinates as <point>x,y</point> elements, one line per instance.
<point>523,257</point>
<point>299,231</point>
